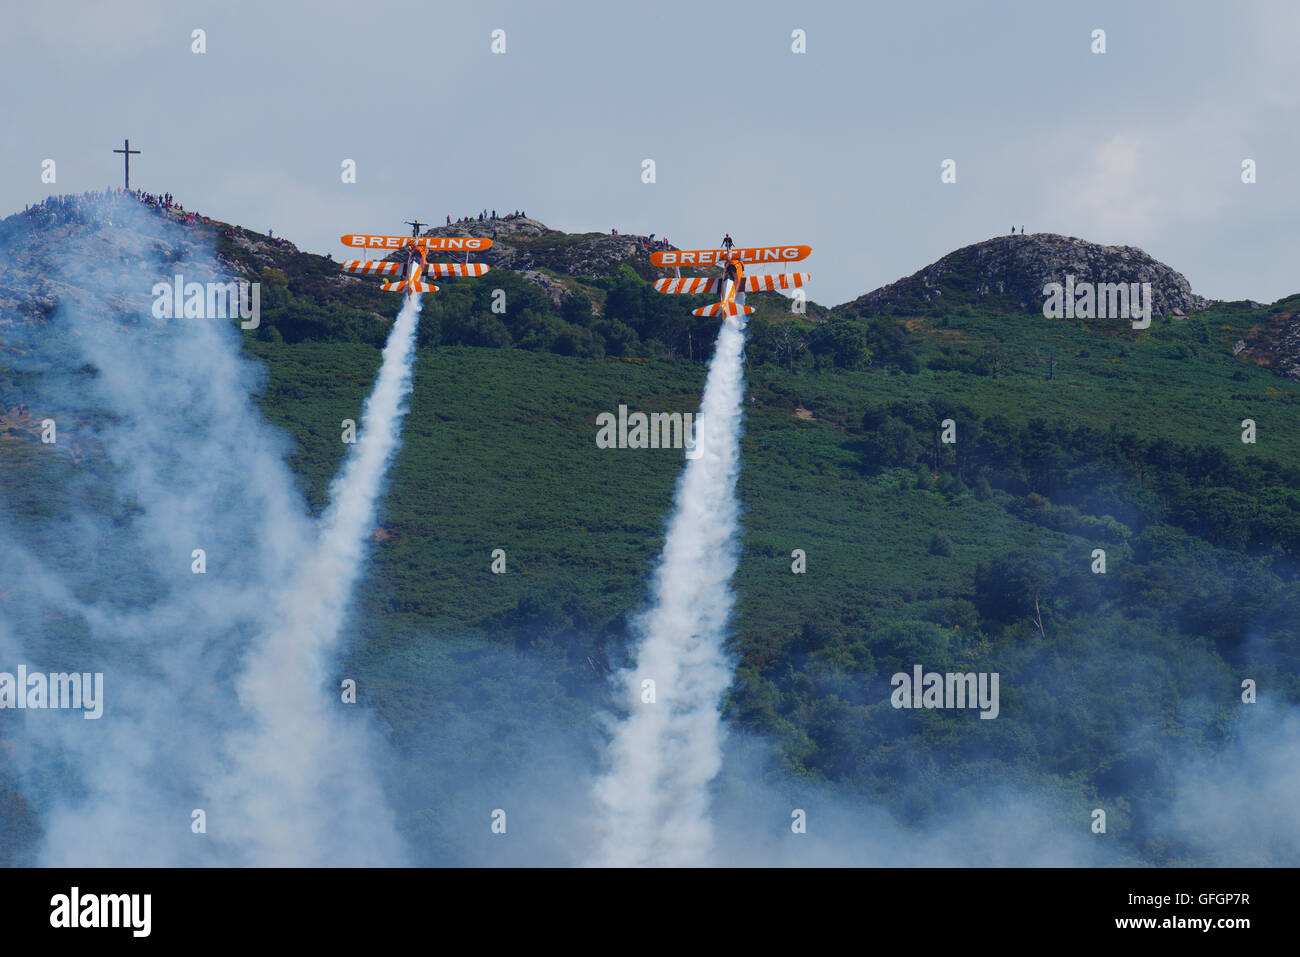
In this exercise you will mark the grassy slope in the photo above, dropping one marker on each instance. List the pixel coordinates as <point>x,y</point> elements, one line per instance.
<point>499,452</point>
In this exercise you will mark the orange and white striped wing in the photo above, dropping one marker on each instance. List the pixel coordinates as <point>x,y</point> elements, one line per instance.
<point>406,284</point>
<point>368,268</point>
<point>456,243</point>
<point>723,309</point>
<point>752,256</point>
<point>687,286</point>
<point>456,269</point>
<point>773,282</point>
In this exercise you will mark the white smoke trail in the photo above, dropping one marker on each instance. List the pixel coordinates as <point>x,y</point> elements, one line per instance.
<point>653,802</point>
<point>299,805</point>
<point>194,452</point>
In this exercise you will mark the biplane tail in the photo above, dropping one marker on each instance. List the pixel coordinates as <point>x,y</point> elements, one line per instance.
<point>723,309</point>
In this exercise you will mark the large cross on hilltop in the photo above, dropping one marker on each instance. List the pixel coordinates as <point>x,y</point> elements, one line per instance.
<point>126,149</point>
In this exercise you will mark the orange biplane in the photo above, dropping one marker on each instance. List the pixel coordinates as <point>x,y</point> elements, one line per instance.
<point>417,266</point>
<point>731,287</point>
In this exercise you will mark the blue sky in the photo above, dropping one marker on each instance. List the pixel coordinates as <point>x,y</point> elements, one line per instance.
<point>839,148</point>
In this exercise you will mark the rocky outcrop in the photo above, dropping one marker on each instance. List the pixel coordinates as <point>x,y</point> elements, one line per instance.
<point>555,290</point>
<point>527,245</point>
<point>1014,270</point>
<point>1274,341</point>
<point>253,252</point>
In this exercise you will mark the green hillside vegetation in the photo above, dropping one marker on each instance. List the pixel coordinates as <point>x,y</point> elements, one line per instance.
<point>976,556</point>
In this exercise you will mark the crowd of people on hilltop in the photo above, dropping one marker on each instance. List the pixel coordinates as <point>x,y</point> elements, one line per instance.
<point>73,208</point>
<point>490,216</point>
<point>95,206</point>
<point>80,208</point>
<point>485,217</point>
<point>166,203</point>
<point>157,200</point>
<point>649,242</point>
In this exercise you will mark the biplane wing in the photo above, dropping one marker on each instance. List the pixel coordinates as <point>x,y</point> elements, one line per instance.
<point>774,281</point>
<point>751,256</point>
<point>367,268</point>
<point>688,287</point>
<point>451,243</point>
<point>456,269</point>
<point>723,309</point>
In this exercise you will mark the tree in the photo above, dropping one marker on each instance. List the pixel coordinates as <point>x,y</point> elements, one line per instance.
<point>1008,589</point>
<point>845,342</point>
<point>576,308</point>
<point>788,343</point>
<point>626,301</point>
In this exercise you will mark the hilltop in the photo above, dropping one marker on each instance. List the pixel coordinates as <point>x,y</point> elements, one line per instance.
<point>522,244</point>
<point>1011,271</point>
<point>588,293</point>
<point>547,257</point>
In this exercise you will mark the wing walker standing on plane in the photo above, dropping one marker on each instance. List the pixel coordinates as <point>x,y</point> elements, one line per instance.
<point>733,284</point>
<point>417,265</point>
